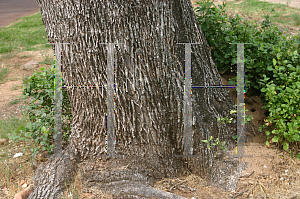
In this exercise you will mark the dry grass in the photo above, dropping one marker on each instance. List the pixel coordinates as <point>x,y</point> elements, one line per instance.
<point>13,170</point>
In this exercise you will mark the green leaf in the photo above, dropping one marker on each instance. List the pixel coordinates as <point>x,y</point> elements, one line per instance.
<point>275,139</point>
<point>274,62</point>
<point>267,143</point>
<point>295,52</point>
<point>21,128</point>
<point>270,68</point>
<point>28,125</point>
<point>286,146</point>
<point>43,129</point>
<point>232,112</point>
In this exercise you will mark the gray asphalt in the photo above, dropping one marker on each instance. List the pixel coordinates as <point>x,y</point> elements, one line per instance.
<point>11,10</point>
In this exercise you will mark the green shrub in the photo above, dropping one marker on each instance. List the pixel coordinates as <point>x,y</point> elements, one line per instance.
<point>272,65</point>
<point>267,40</point>
<point>283,100</point>
<point>40,127</point>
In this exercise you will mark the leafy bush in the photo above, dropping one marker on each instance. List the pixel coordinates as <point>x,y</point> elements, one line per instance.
<point>283,100</point>
<point>40,111</point>
<point>267,40</point>
<point>272,65</point>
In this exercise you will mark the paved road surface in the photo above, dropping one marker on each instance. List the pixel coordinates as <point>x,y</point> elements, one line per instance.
<point>11,10</point>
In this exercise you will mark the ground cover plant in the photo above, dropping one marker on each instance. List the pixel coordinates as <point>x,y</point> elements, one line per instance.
<point>40,111</point>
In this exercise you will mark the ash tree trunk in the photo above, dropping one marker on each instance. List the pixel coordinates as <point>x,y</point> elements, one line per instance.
<point>149,96</point>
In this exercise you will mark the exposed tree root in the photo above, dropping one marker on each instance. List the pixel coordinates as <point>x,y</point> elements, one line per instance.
<point>51,178</point>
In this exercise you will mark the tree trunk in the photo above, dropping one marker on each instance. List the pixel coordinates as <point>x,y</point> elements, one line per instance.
<point>149,95</point>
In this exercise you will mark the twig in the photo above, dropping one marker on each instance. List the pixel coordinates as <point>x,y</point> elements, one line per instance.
<point>252,190</point>
<point>263,189</point>
<point>247,176</point>
<point>177,184</point>
<point>240,194</point>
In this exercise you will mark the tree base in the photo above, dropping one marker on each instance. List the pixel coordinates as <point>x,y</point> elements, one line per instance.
<point>52,177</point>
<point>120,180</point>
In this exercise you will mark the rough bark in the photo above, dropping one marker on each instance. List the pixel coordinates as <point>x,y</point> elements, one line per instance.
<point>149,90</point>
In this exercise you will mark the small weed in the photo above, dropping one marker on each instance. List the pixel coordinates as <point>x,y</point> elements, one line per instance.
<point>13,79</point>
<point>15,87</point>
<point>3,74</point>
<point>296,18</point>
<point>14,102</point>
<point>25,78</point>
<point>24,57</point>
<point>10,124</point>
<point>40,112</point>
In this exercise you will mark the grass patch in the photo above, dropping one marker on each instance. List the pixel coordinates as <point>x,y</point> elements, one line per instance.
<point>3,74</point>
<point>10,124</point>
<point>258,9</point>
<point>14,102</point>
<point>296,18</point>
<point>25,35</point>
